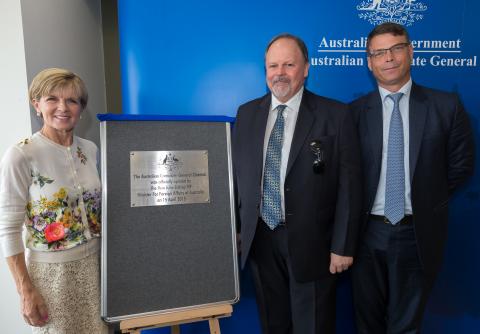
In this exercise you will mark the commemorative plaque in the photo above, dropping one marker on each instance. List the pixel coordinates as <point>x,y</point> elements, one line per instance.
<point>168,215</point>
<point>168,177</point>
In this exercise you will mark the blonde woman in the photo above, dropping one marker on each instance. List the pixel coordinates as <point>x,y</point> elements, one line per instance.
<point>49,184</point>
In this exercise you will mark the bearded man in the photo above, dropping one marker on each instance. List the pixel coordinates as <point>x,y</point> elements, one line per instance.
<point>298,191</point>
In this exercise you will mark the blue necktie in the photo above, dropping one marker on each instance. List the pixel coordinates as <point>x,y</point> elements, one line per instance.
<point>272,200</point>
<point>395,179</point>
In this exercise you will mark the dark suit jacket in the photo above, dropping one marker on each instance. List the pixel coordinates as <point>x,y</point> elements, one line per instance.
<point>322,210</point>
<point>441,158</point>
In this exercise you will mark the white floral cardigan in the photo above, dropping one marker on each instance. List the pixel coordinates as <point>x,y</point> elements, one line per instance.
<point>54,190</point>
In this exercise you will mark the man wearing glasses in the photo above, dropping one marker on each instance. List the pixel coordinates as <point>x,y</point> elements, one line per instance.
<point>417,148</point>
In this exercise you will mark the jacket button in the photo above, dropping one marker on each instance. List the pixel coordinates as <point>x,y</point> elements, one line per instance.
<point>287,189</point>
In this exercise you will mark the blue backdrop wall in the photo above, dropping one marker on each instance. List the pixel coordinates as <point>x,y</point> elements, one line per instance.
<point>206,58</point>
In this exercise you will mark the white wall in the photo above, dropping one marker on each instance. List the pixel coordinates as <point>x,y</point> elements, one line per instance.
<point>35,35</point>
<point>14,124</point>
<point>15,118</point>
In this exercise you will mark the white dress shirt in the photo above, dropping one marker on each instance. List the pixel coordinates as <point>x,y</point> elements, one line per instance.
<point>387,103</point>
<point>290,114</point>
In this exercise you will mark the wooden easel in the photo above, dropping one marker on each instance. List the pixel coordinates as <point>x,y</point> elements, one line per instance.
<point>175,319</point>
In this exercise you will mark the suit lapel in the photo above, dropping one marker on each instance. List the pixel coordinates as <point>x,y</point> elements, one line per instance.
<point>417,116</point>
<point>374,126</point>
<point>304,123</point>
<point>259,125</point>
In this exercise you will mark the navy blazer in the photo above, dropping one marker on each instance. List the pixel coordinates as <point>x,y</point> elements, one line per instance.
<point>322,210</point>
<point>441,158</point>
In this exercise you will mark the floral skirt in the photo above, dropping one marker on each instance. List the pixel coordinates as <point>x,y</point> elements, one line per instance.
<point>72,293</point>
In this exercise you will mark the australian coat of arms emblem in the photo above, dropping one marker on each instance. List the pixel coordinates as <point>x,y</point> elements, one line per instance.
<point>171,162</point>
<point>404,12</point>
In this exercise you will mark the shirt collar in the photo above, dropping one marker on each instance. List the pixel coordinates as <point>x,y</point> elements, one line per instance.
<point>405,89</point>
<point>292,104</point>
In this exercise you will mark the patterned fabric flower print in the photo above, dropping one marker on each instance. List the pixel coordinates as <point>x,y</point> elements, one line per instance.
<point>54,232</point>
<point>55,223</point>
<point>39,223</point>
<point>81,156</point>
<point>40,179</point>
<point>92,202</point>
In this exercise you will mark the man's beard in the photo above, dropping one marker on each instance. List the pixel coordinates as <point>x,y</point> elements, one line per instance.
<point>282,90</point>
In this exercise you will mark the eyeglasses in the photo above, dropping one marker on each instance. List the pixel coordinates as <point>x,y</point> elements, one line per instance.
<point>394,50</point>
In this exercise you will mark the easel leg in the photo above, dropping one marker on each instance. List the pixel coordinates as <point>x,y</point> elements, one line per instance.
<point>175,329</point>
<point>214,326</point>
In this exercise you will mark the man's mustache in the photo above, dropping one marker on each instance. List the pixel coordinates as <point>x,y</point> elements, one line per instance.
<point>280,78</point>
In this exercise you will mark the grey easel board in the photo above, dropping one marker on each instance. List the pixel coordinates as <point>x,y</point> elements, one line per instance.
<point>158,259</point>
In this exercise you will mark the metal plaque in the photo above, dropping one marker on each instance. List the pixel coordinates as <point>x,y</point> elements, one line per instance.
<point>168,177</point>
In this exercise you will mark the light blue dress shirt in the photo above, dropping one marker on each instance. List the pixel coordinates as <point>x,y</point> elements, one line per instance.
<point>387,103</point>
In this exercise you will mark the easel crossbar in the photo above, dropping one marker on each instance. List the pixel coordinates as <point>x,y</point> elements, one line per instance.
<point>176,318</point>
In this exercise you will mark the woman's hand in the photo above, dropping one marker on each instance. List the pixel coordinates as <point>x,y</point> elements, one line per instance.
<point>33,307</point>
